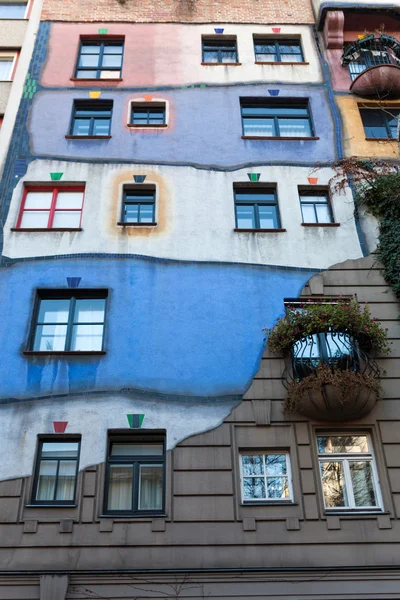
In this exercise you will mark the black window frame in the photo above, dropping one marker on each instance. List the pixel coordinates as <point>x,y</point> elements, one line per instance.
<point>314,192</point>
<point>271,103</point>
<point>92,105</point>
<point>149,108</point>
<point>148,190</point>
<point>277,43</point>
<point>157,436</point>
<point>55,439</point>
<point>102,43</point>
<point>385,118</point>
<point>257,188</point>
<point>67,294</point>
<point>219,43</point>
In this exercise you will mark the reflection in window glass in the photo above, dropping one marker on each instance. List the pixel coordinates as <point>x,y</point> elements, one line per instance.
<point>56,472</point>
<point>265,477</point>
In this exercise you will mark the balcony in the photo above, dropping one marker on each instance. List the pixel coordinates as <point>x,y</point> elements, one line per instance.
<point>374,66</point>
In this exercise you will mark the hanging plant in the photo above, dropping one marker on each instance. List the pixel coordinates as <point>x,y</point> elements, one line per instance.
<point>307,319</point>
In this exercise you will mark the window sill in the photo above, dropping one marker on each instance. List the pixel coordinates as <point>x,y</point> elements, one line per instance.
<point>51,505</point>
<point>87,137</point>
<point>33,229</point>
<point>64,352</point>
<point>277,230</point>
<point>96,79</point>
<point>122,224</point>
<point>280,63</point>
<point>368,139</point>
<point>134,126</point>
<point>204,64</point>
<point>356,513</point>
<point>261,137</point>
<point>320,224</point>
<point>270,503</point>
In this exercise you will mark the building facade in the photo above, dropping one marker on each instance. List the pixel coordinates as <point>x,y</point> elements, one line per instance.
<point>167,192</point>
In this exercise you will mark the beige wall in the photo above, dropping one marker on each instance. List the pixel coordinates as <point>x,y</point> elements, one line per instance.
<point>12,32</point>
<point>5,89</point>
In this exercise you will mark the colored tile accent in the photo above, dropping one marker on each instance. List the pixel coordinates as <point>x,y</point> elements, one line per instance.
<point>56,176</point>
<point>60,426</point>
<point>254,176</point>
<point>139,178</point>
<point>273,92</point>
<point>276,29</point>
<point>30,87</point>
<point>218,30</point>
<point>148,98</point>
<point>135,421</point>
<point>102,31</point>
<point>95,94</point>
<point>73,282</point>
<point>312,180</point>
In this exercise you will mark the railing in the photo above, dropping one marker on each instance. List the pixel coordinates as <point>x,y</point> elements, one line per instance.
<point>371,51</point>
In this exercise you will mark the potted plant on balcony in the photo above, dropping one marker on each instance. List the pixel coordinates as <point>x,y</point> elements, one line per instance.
<point>330,346</point>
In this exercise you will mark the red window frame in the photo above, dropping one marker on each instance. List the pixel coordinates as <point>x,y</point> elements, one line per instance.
<point>55,190</point>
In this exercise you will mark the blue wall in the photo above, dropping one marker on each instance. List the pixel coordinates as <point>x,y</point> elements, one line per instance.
<point>171,327</point>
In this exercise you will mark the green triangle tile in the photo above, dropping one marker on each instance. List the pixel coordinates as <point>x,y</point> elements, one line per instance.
<point>102,31</point>
<point>56,176</point>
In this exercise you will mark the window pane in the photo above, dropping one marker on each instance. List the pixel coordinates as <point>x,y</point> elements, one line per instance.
<point>245,217</point>
<point>131,213</point>
<point>277,487</point>
<point>110,74</point>
<point>323,213</point>
<point>50,338</point>
<point>137,449</point>
<point>46,480</point>
<point>259,127</point>
<point>38,199</point>
<point>147,213</point>
<point>150,487</point>
<point>12,11</point>
<point>60,449</point>
<point>89,310</point>
<point>276,464</point>
<point>90,49</point>
<point>363,485</point>
<point>112,60</point>
<point>116,49</point>
<point>265,53</point>
<point>120,487</point>
<point>333,483</point>
<point>308,212</point>
<point>53,311</point>
<point>86,74</point>
<point>81,127</point>
<point>268,216</point>
<point>253,464</point>
<point>393,122</point>
<point>66,480</point>
<point>275,110</point>
<point>294,128</point>
<point>101,127</point>
<point>70,219</point>
<point>69,199</point>
<point>210,56</point>
<point>5,69</point>
<point>374,123</point>
<point>342,443</point>
<point>87,338</point>
<point>35,219</point>
<point>254,488</point>
<point>228,57</point>
<point>88,60</point>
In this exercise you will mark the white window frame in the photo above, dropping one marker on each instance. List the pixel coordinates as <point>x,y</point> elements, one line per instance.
<point>9,55</point>
<point>263,452</point>
<point>13,18</point>
<point>345,457</point>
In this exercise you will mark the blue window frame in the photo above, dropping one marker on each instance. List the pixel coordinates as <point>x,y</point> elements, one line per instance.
<point>148,114</point>
<point>219,50</point>
<point>256,208</point>
<point>139,205</point>
<point>100,59</point>
<point>380,123</point>
<point>91,118</point>
<point>263,118</point>
<point>273,50</point>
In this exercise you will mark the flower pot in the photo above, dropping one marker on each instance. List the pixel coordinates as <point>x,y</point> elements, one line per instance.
<point>328,404</point>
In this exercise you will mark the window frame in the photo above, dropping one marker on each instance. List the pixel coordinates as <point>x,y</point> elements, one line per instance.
<point>365,109</point>
<point>277,42</point>
<point>316,191</point>
<point>134,437</point>
<point>67,294</point>
<point>54,439</point>
<point>257,188</point>
<point>148,107</point>
<point>217,42</point>
<point>102,42</point>
<point>264,452</point>
<point>55,189</point>
<point>92,103</point>
<point>341,456</point>
<point>139,187</point>
<point>255,102</point>
<point>14,4</point>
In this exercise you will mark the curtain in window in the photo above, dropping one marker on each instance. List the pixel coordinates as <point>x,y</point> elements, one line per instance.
<point>5,69</point>
<point>120,488</point>
<point>150,497</point>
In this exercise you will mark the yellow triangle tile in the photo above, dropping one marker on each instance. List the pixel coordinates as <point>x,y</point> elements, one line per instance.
<point>94,94</point>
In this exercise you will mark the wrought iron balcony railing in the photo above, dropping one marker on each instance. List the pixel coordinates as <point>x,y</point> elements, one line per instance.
<point>371,51</point>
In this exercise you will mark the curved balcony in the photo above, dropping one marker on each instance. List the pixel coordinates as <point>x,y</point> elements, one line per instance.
<point>374,66</point>
<point>330,378</point>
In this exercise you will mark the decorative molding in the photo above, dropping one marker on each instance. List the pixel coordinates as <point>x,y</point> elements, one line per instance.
<point>139,178</point>
<point>333,30</point>
<point>73,282</point>
<point>135,421</point>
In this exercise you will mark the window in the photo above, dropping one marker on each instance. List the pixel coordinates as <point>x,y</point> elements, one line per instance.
<point>279,51</point>
<point>56,471</point>
<point>315,206</point>
<point>12,11</point>
<point>148,114</point>
<point>139,204</point>
<point>7,63</point>
<point>135,474</point>
<point>262,118</point>
<point>265,476</point>
<point>92,118</point>
<point>219,50</point>
<point>51,208</point>
<point>256,208</point>
<point>69,322</point>
<point>348,472</point>
<point>380,123</point>
<point>100,60</point>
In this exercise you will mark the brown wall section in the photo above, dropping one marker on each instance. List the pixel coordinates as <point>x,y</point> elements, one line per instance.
<point>179,11</point>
